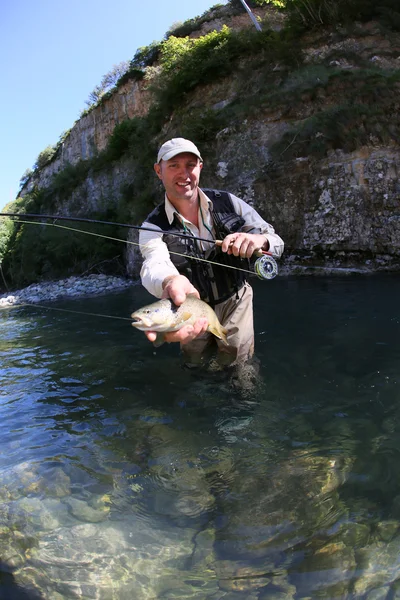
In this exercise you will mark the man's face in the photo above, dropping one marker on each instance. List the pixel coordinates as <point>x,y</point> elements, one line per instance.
<point>180,176</point>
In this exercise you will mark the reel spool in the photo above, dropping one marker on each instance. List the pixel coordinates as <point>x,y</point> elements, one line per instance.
<point>266,267</point>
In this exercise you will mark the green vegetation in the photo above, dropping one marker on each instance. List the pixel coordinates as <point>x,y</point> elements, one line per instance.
<point>195,24</point>
<point>40,252</point>
<point>45,157</point>
<point>108,82</point>
<point>36,252</point>
<point>25,177</point>
<point>303,15</point>
<point>187,63</point>
<point>6,231</point>
<point>359,108</point>
<point>330,107</point>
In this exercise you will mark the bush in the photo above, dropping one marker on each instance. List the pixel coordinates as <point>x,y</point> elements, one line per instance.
<point>64,182</point>
<point>108,82</point>
<point>25,177</point>
<point>41,251</point>
<point>187,27</point>
<point>145,56</point>
<point>187,63</point>
<point>45,157</point>
<point>364,112</point>
<point>306,14</point>
<point>6,231</point>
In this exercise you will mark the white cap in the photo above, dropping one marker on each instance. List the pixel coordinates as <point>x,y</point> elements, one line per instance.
<point>177,146</point>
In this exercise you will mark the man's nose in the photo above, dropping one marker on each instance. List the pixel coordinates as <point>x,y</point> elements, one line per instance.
<point>184,171</point>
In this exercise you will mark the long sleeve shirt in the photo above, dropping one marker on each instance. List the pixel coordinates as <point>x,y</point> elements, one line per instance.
<point>157,264</point>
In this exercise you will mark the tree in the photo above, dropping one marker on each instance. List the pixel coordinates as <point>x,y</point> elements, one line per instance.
<point>44,157</point>
<point>25,177</point>
<point>108,81</point>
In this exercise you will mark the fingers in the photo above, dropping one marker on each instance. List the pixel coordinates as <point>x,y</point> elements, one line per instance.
<point>185,335</point>
<point>151,335</point>
<point>188,333</point>
<point>177,288</point>
<point>242,244</point>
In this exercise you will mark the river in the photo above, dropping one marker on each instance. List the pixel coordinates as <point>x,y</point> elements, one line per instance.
<point>126,476</point>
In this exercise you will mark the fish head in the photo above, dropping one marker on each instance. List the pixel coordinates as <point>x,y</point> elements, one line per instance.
<point>154,317</point>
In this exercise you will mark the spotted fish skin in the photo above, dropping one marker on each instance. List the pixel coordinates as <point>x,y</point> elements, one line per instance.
<point>164,316</point>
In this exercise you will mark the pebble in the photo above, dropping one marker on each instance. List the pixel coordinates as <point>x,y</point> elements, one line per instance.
<point>72,287</point>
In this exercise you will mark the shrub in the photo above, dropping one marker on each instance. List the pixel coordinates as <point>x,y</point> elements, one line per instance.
<point>108,82</point>
<point>306,14</point>
<point>6,231</point>
<point>187,27</point>
<point>25,177</point>
<point>145,56</point>
<point>45,157</point>
<point>364,112</point>
<point>187,63</point>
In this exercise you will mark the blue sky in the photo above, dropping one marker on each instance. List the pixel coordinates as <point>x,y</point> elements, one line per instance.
<point>53,53</point>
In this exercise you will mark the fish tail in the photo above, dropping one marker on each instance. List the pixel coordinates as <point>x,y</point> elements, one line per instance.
<point>220,333</point>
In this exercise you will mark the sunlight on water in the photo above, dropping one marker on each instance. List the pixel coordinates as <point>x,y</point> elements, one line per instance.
<point>126,476</point>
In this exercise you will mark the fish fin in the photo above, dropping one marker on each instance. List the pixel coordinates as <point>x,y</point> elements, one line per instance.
<point>192,295</point>
<point>159,340</point>
<point>186,316</point>
<point>220,333</point>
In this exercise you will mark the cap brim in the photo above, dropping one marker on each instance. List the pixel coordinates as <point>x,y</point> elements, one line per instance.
<point>175,152</point>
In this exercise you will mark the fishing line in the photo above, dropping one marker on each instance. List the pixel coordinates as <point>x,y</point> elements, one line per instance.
<point>75,312</point>
<point>34,305</point>
<point>98,222</point>
<point>107,237</point>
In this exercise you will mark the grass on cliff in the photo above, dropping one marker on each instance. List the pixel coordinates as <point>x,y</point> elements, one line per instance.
<point>330,107</point>
<point>356,108</point>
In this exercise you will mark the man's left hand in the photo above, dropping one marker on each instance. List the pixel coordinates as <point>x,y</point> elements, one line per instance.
<point>244,244</point>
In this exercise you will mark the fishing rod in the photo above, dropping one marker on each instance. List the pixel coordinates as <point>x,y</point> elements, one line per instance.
<point>265,267</point>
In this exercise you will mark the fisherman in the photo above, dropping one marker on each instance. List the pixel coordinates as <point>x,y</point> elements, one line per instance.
<point>211,215</point>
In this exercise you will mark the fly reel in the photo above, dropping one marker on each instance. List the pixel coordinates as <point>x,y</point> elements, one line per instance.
<point>266,267</point>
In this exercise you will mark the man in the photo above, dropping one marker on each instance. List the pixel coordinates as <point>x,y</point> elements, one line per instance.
<point>170,268</point>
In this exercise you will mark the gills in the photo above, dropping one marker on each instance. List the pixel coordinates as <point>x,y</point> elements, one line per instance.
<point>164,316</point>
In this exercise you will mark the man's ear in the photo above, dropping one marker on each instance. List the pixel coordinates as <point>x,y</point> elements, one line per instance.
<point>157,168</point>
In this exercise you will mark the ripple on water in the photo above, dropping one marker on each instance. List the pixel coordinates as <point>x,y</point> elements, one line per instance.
<point>125,476</point>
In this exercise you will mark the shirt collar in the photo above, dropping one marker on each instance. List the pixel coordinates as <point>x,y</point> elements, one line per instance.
<point>171,211</point>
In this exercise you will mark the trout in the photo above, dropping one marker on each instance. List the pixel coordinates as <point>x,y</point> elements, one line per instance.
<point>164,316</point>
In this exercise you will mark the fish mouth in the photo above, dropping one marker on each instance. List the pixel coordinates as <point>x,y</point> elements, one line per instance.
<point>144,324</point>
<point>138,322</point>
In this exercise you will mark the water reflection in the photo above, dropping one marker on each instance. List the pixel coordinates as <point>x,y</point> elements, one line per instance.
<point>126,476</point>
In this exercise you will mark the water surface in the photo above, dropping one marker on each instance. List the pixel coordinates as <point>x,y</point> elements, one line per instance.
<point>126,476</point>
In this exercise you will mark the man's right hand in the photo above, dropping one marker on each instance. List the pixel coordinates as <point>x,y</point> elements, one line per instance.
<point>177,287</point>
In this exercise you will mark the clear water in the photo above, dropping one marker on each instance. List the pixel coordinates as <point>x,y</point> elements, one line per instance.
<point>125,476</point>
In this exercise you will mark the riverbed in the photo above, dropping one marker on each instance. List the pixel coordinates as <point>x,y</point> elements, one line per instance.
<point>127,476</point>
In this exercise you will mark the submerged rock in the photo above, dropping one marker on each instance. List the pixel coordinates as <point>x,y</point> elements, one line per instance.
<point>82,511</point>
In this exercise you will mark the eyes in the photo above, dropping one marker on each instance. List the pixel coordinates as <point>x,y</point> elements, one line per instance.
<point>191,165</point>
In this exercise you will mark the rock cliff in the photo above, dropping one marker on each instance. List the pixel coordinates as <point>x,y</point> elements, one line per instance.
<point>314,148</point>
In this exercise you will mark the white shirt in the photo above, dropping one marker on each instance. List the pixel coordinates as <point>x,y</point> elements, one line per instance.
<point>157,264</point>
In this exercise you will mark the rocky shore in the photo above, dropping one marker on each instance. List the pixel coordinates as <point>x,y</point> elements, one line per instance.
<point>72,287</point>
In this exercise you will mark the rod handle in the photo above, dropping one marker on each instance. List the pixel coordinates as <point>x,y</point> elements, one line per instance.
<point>256,253</point>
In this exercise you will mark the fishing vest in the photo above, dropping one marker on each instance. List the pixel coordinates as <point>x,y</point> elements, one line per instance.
<point>215,282</point>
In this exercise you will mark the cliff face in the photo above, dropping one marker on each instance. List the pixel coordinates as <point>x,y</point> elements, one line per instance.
<point>91,132</point>
<point>337,210</point>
